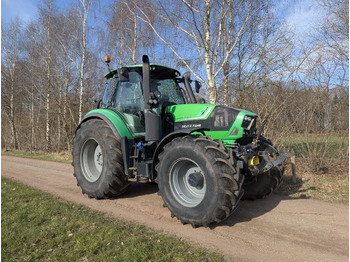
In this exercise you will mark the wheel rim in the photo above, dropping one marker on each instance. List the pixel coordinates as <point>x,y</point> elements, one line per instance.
<point>185,191</point>
<point>91,160</point>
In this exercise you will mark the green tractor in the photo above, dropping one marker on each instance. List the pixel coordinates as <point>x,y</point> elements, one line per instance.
<point>204,157</point>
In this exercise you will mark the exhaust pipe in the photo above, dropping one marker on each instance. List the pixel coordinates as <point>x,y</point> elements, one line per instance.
<point>152,120</point>
<point>146,81</point>
<point>186,79</point>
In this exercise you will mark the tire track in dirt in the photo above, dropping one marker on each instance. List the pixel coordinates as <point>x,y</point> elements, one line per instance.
<point>277,228</point>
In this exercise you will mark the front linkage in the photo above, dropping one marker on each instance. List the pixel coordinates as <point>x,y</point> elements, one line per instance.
<point>259,156</point>
<point>262,166</point>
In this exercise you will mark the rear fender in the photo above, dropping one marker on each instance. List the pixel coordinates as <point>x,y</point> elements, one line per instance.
<point>115,122</point>
<point>117,125</point>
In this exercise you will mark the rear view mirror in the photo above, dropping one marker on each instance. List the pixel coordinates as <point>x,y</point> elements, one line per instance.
<point>198,85</point>
<point>200,99</point>
<point>123,74</point>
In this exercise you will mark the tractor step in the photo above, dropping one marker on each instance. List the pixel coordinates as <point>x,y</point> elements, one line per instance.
<point>132,168</point>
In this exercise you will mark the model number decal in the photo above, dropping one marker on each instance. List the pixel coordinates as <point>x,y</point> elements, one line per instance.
<point>191,126</point>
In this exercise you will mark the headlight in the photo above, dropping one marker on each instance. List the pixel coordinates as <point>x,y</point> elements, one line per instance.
<point>248,122</point>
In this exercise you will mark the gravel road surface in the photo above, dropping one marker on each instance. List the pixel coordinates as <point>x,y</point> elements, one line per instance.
<point>277,228</point>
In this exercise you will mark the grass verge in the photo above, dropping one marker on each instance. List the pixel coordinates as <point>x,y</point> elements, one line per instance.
<point>332,188</point>
<point>329,188</point>
<point>317,145</point>
<point>37,226</point>
<point>63,157</point>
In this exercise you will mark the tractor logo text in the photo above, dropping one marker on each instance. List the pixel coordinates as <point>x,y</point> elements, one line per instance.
<point>191,126</point>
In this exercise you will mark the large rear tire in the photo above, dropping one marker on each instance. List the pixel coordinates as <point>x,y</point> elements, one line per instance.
<point>197,181</point>
<point>98,161</point>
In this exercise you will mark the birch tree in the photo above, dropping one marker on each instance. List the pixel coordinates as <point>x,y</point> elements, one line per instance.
<point>128,38</point>
<point>66,37</point>
<point>201,24</point>
<point>245,54</point>
<point>84,8</point>
<point>33,90</point>
<point>10,38</point>
<point>44,39</point>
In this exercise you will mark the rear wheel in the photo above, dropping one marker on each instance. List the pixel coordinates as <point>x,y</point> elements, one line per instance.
<point>98,161</point>
<point>197,181</point>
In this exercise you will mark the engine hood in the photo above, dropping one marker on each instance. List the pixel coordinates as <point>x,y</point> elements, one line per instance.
<point>220,122</point>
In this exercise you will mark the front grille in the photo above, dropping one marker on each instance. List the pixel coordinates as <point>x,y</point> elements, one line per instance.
<point>245,140</point>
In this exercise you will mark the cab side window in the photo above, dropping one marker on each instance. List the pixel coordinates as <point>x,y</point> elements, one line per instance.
<point>111,82</point>
<point>128,99</point>
<point>170,92</point>
<point>128,95</point>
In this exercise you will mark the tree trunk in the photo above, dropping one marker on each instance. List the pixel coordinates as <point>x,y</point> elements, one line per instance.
<point>207,57</point>
<point>226,86</point>
<point>12,117</point>
<point>85,5</point>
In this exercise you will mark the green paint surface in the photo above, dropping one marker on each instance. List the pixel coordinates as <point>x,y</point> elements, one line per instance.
<point>116,120</point>
<point>200,112</point>
<point>190,112</point>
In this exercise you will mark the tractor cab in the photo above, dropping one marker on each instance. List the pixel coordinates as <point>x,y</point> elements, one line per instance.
<point>124,93</point>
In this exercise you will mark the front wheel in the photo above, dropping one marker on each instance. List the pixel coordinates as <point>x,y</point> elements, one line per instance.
<point>197,181</point>
<point>98,160</point>
<point>262,185</point>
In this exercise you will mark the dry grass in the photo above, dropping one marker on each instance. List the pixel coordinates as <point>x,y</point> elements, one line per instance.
<point>64,156</point>
<point>330,187</point>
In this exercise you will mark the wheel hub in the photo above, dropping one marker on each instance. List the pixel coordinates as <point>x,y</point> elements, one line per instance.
<point>99,159</point>
<point>187,182</point>
<point>91,160</point>
<point>196,180</point>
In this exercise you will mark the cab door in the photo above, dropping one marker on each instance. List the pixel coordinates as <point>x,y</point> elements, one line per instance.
<point>127,99</point>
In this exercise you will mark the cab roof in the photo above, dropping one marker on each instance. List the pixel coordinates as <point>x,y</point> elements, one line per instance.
<point>154,68</point>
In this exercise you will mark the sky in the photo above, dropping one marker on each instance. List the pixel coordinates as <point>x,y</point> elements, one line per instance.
<point>302,16</point>
<point>25,9</point>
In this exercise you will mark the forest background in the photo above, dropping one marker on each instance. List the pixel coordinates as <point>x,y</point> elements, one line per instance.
<point>243,51</point>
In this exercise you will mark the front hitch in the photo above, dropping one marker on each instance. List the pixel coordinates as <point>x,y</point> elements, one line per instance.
<point>266,163</point>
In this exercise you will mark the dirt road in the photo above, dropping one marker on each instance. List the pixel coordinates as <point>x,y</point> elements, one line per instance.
<point>274,229</point>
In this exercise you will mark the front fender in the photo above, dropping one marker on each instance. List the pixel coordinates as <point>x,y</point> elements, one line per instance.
<point>166,140</point>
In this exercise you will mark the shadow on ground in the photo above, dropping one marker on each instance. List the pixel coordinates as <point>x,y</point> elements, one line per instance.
<point>140,189</point>
<point>247,209</point>
<point>289,188</point>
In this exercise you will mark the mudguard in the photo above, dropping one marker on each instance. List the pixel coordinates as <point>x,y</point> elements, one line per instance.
<point>167,139</point>
<point>115,122</point>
